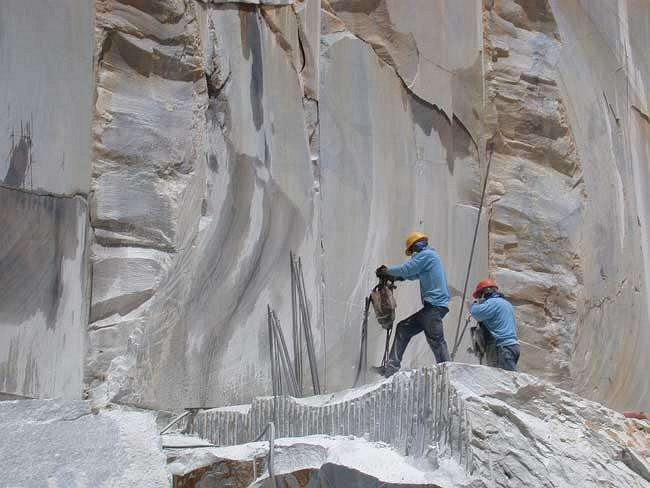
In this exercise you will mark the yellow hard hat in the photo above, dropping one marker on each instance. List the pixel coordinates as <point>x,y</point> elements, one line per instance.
<point>412,239</point>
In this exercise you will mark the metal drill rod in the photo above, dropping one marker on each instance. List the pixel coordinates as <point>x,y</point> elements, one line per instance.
<point>305,326</point>
<point>384,361</point>
<point>459,336</point>
<point>292,385</point>
<point>362,366</point>
<point>308,333</point>
<point>278,368</point>
<point>308,329</point>
<point>289,374</point>
<point>272,454</point>
<point>269,319</point>
<point>296,327</point>
<point>175,421</point>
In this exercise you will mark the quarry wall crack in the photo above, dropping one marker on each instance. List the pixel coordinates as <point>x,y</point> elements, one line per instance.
<point>44,193</point>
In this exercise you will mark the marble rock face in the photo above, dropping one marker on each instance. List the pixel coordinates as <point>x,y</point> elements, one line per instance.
<point>184,287</point>
<point>211,138</point>
<point>43,256</point>
<point>386,167</point>
<point>434,63</point>
<point>223,140</point>
<point>606,77</point>
<point>45,164</point>
<point>567,99</point>
<point>537,194</point>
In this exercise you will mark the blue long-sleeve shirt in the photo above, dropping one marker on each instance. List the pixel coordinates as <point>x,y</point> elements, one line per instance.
<point>498,316</point>
<point>425,266</point>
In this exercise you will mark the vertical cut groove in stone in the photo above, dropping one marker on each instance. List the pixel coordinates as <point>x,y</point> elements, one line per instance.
<point>412,411</point>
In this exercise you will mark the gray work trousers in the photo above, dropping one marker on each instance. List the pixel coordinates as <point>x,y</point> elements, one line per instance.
<point>504,357</point>
<point>428,320</point>
<point>507,357</point>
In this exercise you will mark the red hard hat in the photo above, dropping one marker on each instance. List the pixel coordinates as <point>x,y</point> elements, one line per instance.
<point>482,285</point>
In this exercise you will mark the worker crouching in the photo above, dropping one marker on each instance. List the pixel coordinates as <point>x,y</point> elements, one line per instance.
<point>426,266</point>
<point>497,316</point>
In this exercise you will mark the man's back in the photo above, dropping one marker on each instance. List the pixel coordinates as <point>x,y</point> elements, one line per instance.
<point>498,316</point>
<point>426,266</point>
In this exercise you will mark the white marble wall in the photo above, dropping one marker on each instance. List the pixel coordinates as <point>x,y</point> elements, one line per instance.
<point>226,134</point>
<point>234,142</point>
<point>391,163</point>
<point>605,74</point>
<point>183,310</point>
<point>45,163</point>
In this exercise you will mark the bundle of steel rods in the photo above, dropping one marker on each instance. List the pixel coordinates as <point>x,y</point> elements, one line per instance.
<point>281,364</point>
<point>296,328</point>
<point>305,319</point>
<point>287,374</point>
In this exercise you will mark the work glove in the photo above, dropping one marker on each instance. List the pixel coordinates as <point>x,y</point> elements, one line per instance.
<point>382,271</point>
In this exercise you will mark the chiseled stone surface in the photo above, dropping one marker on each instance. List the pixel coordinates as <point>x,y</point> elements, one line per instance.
<point>527,432</point>
<point>496,429</point>
<point>537,196</point>
<point>61,444</point>
<point>566,88</point>
<point>149,177</point>
<point>503,429</point>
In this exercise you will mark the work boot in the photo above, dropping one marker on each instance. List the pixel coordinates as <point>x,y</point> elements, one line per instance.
<point>385,371</point>
<point>378,369</point>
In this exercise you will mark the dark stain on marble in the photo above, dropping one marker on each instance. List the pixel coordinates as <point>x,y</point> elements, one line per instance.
<point>251,38</point>
<point>20,157</point>
<point>39,232</point>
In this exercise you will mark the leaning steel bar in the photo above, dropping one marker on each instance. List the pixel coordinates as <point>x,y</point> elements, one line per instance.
<point>175,421</point>
<point>284,356</point>
<point>296,328</point>
<point>459,337</point>
<point>362,366</point>
<point>308,332</point>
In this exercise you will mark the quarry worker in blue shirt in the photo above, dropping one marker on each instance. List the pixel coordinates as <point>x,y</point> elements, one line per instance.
<point>424,265</point>
<point>497,315</point>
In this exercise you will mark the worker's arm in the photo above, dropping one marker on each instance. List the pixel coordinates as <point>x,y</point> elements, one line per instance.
<point>410,269</point>
<point>483,311</point>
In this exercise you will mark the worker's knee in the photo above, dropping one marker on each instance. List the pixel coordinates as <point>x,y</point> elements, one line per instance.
<point>436,338</point>
<point>403,331</point>
<point>408,326</point>
<point>435,330</point>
